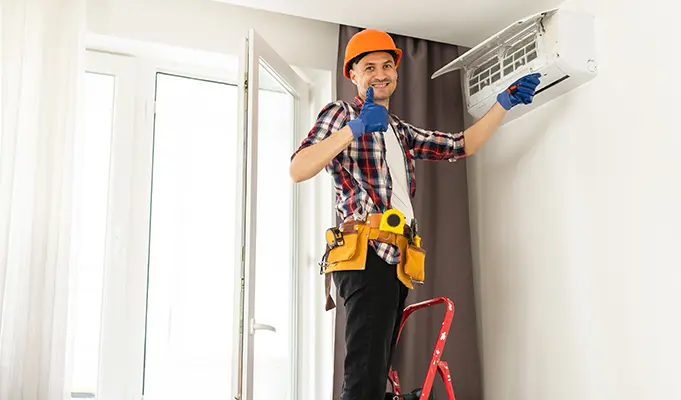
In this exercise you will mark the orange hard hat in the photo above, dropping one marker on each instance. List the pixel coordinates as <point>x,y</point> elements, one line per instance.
<point>367,41</point>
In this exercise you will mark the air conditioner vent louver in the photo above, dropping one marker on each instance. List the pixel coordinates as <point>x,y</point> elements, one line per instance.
<point>522,50</point>
<point>555,43</point>
<point>488,73</point>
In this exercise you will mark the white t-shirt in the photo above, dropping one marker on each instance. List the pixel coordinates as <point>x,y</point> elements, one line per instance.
<point>397,166</point>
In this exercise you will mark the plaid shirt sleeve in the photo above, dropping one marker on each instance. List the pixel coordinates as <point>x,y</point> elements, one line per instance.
<point>435,145</point>
<point>329,120</point>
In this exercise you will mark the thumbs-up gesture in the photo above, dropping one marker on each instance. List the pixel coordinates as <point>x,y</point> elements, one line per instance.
<point>372,118</point>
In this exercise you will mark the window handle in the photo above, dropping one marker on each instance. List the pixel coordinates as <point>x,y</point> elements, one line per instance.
<point>263,327</point>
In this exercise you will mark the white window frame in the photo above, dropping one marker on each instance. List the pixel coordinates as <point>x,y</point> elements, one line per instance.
<point>113,348</point>
<point>125,284</point>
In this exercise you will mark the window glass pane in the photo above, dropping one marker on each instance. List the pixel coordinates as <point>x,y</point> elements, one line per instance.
<point>273,351</point>
<point>89,230</point>
<point>192,245</point>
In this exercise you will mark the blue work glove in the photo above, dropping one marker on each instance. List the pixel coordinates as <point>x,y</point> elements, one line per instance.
<point>372,118</point>
<point>521,91</point>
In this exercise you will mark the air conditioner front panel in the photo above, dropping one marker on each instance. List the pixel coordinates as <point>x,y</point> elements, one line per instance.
<point>492,43</point>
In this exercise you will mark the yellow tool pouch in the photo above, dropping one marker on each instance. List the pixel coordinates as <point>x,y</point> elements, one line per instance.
<point>346,251</point>
<point>351,253</point>
<point>415,263</point>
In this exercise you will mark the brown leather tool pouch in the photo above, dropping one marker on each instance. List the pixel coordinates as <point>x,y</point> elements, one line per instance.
<point>415,263</point>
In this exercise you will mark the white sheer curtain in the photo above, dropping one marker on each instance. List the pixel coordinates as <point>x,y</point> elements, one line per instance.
<point>41,54</point>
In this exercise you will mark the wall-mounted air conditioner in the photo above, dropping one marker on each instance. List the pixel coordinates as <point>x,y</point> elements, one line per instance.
<point>557,43</point>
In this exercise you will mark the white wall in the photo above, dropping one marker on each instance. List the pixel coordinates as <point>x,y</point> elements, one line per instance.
<point>576,217</point>
<point>215,27</point>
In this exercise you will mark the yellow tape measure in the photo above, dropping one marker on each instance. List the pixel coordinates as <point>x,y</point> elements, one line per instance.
<point>334,237</point>
<point>392,221</point>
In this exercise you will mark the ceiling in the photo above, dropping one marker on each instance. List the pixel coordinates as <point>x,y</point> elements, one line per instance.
<point>465,22</point>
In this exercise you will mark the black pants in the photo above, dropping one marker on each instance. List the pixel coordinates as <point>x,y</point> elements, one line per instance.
<point>374,300</point>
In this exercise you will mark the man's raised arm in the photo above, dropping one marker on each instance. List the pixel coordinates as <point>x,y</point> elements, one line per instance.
<point>309,161</point>
<point>331,135</point>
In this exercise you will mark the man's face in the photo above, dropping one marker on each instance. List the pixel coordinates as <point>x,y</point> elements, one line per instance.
<point>377,70</point>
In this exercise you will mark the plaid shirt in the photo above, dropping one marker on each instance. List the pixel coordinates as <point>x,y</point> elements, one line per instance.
<point>360,173</point>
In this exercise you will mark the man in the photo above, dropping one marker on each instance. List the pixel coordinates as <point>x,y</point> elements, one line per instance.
<point>370,154</point>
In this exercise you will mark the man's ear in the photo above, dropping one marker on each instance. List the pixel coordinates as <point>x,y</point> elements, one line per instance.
<point>353,75</point>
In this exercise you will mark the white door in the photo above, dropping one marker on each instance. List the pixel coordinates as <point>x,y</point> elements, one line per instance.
<point>274,108</point>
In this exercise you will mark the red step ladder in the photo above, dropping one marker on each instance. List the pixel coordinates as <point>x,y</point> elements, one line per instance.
<point>436,363</point>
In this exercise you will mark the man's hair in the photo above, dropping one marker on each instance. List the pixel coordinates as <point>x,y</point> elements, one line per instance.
<point>359,57</point>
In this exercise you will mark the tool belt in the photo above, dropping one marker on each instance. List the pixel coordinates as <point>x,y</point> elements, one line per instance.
<point>348,244</point>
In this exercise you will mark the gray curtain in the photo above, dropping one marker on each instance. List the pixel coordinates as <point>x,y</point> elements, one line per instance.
<point>441,207</point>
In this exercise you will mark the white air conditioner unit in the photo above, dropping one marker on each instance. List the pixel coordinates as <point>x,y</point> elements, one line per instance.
<point>557,43</point>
